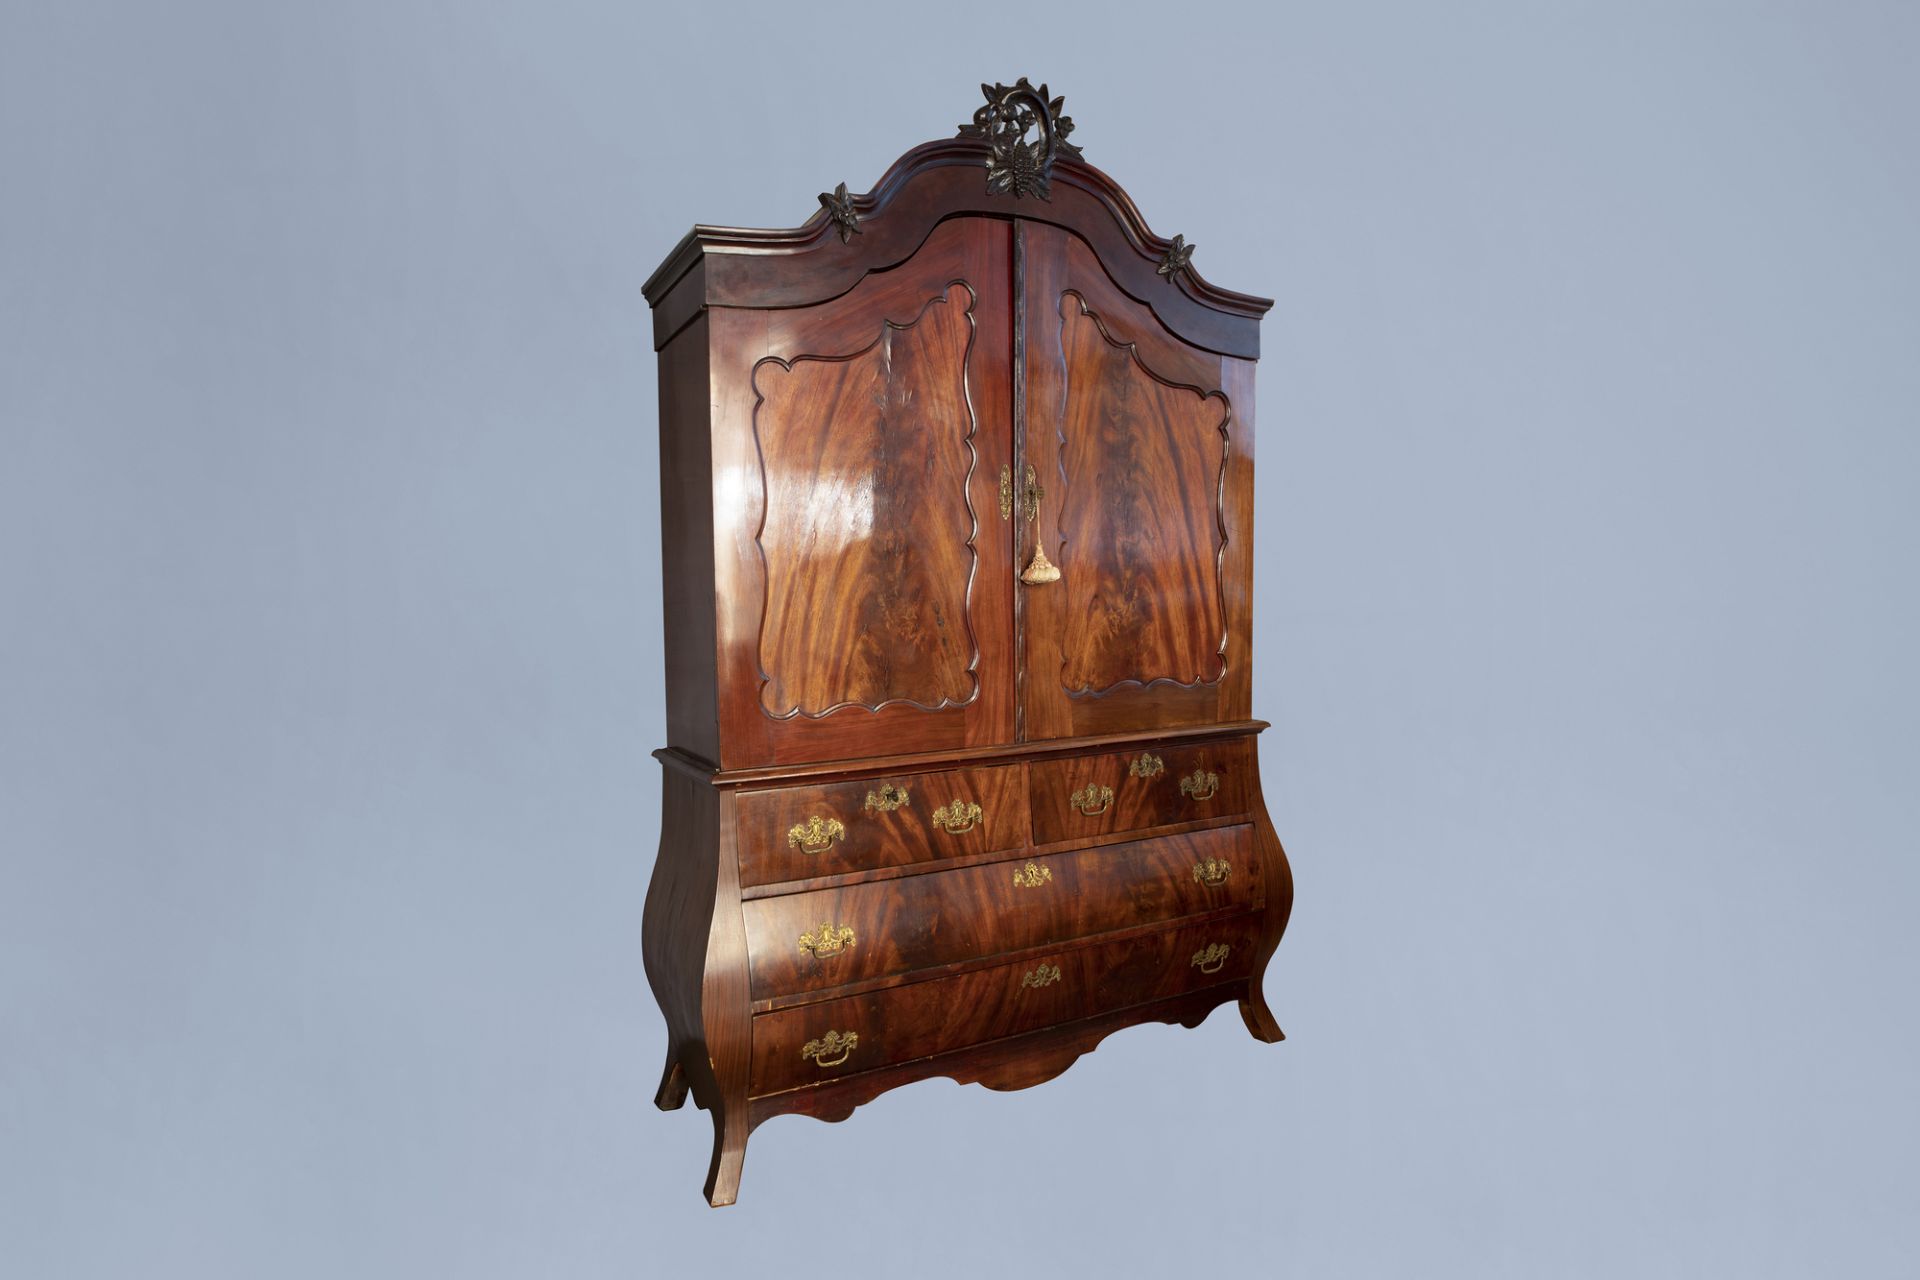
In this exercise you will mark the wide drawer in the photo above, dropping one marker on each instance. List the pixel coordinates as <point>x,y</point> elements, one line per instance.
<point>800,833</point>
<point>830,937</point>
<point>1129,791</point>
<point>815,1042</point>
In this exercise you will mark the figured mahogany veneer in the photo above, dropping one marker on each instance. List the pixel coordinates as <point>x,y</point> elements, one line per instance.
<point>880,822</point>
<point>1043,990</point>
<point>923,922</point>
<point>1151,786</point>
<point>957,524</point>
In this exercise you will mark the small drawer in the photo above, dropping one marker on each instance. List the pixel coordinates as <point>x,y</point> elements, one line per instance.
<point>802,833</point>
<point>811,1043</point>
<point>1153,786</point>
<point>811,941</point>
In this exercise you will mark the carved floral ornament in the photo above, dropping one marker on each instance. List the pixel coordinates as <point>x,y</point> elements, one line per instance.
<point>1178,258</point>
<point>1015,166</point>
<point>839,207</point>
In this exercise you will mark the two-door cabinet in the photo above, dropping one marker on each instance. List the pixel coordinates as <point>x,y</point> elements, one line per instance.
<point>957,521</point>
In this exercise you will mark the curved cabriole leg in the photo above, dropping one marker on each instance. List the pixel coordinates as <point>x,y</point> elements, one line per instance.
<point>724,1017</point>
<point>673,1084</point>
<point>729,1150</point>
<point>1259,1018</point>
<point>1277,876</point>
<point>694,941</point>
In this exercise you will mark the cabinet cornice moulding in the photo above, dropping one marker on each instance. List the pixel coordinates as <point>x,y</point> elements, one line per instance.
<point>932,182</point>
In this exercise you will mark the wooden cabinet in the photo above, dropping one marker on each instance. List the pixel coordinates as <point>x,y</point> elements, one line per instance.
<point>957,518</point>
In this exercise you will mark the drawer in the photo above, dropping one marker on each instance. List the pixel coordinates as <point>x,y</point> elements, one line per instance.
<point>801,833</point>
<point>1128,791</point>
<point>804,1045</point>
<point>824,938</point>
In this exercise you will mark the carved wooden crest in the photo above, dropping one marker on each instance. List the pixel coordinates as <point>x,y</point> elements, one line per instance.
<point>1017,167</point>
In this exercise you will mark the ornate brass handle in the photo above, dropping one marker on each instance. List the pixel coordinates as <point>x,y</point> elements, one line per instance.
<point>828,939</point>
<point>1032,876</point>
<point>1039,569</point>
<point>816,834</point>
<point>958,818</point>
<point>1200,784</point>
<point>1092,801</point>
<point>1211,959</point>
<point>1214,871</point>
<point>823,1050</point>
<point>1040,977</point>
<point>886,799</point>
<point>1146,766</point>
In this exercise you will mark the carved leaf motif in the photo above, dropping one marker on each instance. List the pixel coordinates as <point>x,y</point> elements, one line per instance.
<point>1178,258</point>
<point>839,207</point>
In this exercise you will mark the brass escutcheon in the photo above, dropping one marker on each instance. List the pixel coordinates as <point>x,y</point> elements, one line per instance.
<point>886,799</point>
<point>1211,959</point>
<point>1091,800</point>
<point>823,1050</point>
<point>1040,977</point>
<point>1032,876</point>
<point>1006,492</point>
<point>828,939</point>
<point>1146,766</point>
<point>1213,871</point>
<point>1031,496</point>
<point>816,834</point>
<point>1200,784</point>
<point>958,818</point>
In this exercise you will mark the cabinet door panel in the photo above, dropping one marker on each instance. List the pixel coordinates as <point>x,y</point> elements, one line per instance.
<point>865,569</point>
<point>1142,446</point>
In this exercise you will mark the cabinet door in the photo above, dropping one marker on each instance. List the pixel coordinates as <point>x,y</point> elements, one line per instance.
<point>1141,446</point>
<point>863,569</point>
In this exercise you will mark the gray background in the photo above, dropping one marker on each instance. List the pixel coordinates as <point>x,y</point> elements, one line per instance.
<point>331,649</point>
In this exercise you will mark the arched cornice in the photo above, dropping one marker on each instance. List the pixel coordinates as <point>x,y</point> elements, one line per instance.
<point>851,236</point>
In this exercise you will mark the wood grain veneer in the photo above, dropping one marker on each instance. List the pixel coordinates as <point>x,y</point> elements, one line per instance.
<point>893,820</point>
<point>922,922</point>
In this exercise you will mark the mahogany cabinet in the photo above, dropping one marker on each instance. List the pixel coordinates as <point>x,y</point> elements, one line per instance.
<point>957,518</point>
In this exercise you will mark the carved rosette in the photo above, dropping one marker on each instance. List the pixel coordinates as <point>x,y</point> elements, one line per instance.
<point>1178,258</point>
<point>1016,166</point>
<point>839,207</point>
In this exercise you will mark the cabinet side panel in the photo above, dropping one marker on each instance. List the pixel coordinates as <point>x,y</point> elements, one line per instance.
<point>1236,576</point>
<point>686,542</point>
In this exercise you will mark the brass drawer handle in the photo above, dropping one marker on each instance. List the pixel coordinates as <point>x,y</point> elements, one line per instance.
<point>1146,766</point>
<point>833,1042</point>
<point>1214,871</point>
<point>1200,784</point>
<point>828,939</point>
<point>886,799</point>
<point>1040,977</point>
<point>1211,959</point>
<point>816,834</point>
<point>958,818</point>
<point>1092,801</point>
<point>1032,876</point>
